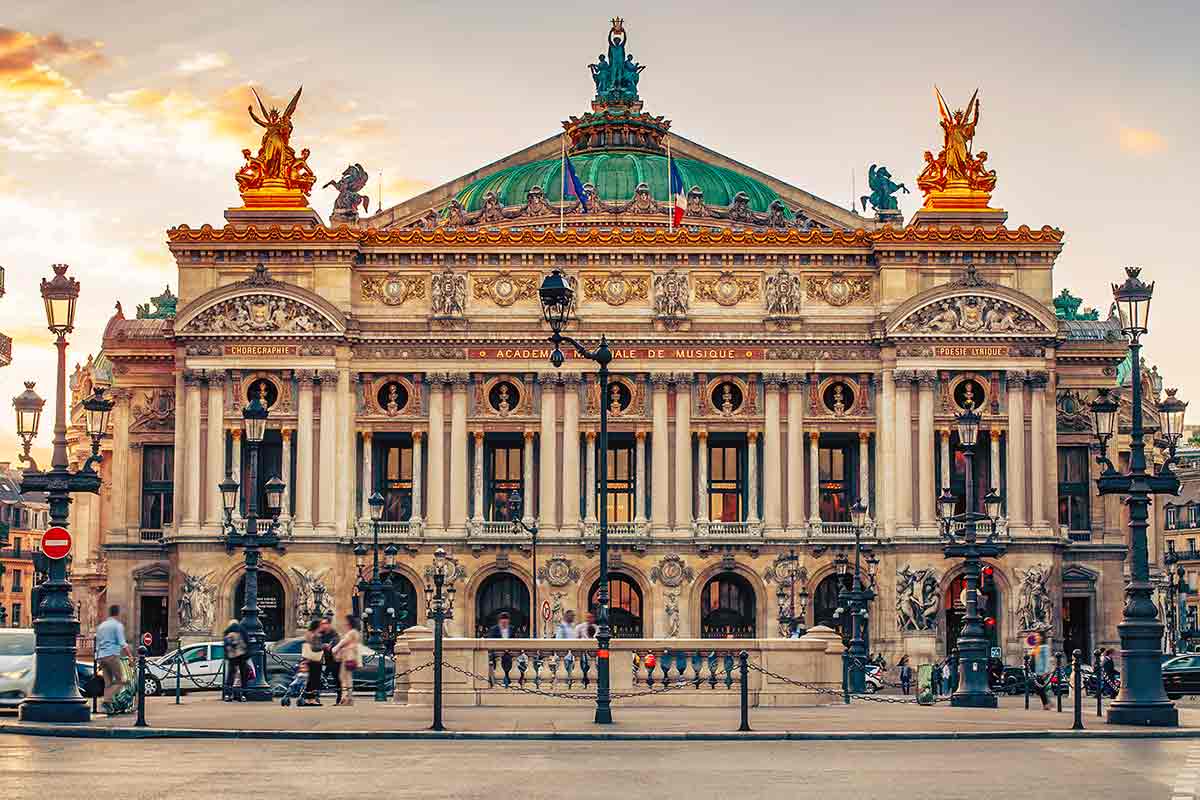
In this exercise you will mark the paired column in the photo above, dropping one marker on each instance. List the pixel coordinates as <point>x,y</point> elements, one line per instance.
<point>1037,407</point>
<point>458,451</point>
<point>995,462</point>
<point>216,451</point>
<point>752,475</point>
<point>327,490</point>
<point>437,459</point>
<point>1050,428</point>
<point>773,456</point>
<point>925,456</point>
<point>477,478</point>
<point>526,477</point>
<point>864,471</point>
<point>589,485</point>
<point>119,480</point>
<point>814,473</point>
<point>944,439</point>
<point>570,471</point>
<point>886,443</point>
<point>235,453</point>
<point>344,449</point>
<point>1016,449</point>
<point>368,473</point>
<point>304,451</point>
<point>639,483</point>
<point>795,452</point>
<point>418,440</point>
<point>285,513</point>
<point>178,471</point>
<point>684,489</point>
<point>660,500</point>
<point>548,472</point>
<point>904,482</point>
<point>191,476</point>
<point>702,478</point>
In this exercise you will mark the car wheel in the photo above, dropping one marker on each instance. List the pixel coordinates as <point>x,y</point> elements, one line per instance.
<point>1174,696</point>
<point>153,686</point>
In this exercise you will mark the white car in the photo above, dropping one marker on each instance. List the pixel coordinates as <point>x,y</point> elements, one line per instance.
<point>16,665</point>
<point>200,667</point>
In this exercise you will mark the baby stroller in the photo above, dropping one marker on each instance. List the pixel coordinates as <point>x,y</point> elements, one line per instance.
<point>295,689</point>
<point>123,700</point>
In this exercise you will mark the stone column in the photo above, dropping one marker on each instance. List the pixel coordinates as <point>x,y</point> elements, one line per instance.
<point>435,514</point>
<point>418,440</point>
<point>795,452</point>
<point>119,480</point>
<point>904,491</point>
<point>752,475</point>
<point>368,473</point>
<point>477,478</point>
<point>1016,449</point>
<point>684,489</point>
<point>570,472</point>
<point>589,485</point>
<point>864,471</point>
<point>344,449</point>
<point>639,483</point>
<point>660,500</point>
<point>945,457</point>
<point>285,512</point>
<point>1037,406</point>
<point>885,443</point>
<point>304,452</point>
<point>1050,426</point>
<point>547,453</point>
<point>702,477</point>
<point>773,456</point>
<point>215,511</point>
<point>994,435</point>
<point>327,490</point>
<point>178,455</point>
<point>526,479</point>
<point>458,451</point>
<point>191,477</point>
<point>814,474</point>
<point>235,457</point>
<point>925,455</point>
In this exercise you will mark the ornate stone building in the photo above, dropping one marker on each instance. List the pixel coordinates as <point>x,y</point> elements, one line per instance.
<point>778,358</point>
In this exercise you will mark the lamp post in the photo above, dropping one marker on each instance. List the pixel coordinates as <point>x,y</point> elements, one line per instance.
<point>1141,700</point>
<point>961,532</point>
<point>514,513</point>
<point>381,637</point>
<point>254,425</point>
<point>855,601</point>
<point>558,302</point>
<point>55,696</point>
<point>785,594</point>
<point>439,606</point>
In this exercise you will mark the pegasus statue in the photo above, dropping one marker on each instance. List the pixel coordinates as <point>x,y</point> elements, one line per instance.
<point>353,179</point>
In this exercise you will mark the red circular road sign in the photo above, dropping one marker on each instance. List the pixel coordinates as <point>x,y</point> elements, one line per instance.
<point>147,638</point>
<point>56,543</point>
<point>546,610</point>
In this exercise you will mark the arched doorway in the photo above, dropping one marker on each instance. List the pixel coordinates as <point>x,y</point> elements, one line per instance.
<point>499,593</point>
<point>727,608</point>
<point>956,610</point>
<point>826,603</point>
<point>270,604</point>
<point>624,605</point>
<point>402,594</point>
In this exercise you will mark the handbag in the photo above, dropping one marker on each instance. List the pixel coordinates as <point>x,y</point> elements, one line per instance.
<point>350,664</point>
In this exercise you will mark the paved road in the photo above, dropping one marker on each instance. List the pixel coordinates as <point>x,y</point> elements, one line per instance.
<point>37,769</point>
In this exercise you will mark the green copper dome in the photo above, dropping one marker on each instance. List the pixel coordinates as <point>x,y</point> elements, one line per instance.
<point>616,174</point>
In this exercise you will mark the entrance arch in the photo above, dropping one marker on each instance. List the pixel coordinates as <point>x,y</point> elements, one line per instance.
<point>825,602</point>
<point>270,604</point>
<point>624,605</point>
<point>989,609</point>
<point>502,592</point>
<point>727,608</point>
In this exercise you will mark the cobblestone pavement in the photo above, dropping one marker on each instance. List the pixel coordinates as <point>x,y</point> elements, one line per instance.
<point>33,768</point>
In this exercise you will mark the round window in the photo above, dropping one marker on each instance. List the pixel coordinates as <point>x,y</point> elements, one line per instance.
<point>727,397</point>
<point>969,394</point>
<point>838,398</point>
<point>392,397</point>
<point>264,390</point>
<point>503,397</point>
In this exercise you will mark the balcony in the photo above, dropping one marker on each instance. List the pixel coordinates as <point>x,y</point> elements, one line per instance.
<point>839,530</point>
<point>393,529</point>
<point>482,529</point>
<point>982,529</point>
<point>150,535</point>
<point>705,529</point>
<point>616,530</point>
<point>1079,536</point>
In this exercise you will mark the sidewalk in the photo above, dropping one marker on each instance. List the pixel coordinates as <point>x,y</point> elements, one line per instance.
<point>205,716</point>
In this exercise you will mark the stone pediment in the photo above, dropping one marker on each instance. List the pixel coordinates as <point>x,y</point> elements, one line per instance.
<point>1077,573</point>
<point>260,306</point>
<point>971,308</point>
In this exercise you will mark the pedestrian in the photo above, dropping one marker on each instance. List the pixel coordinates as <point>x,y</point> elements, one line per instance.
<point>1039,667</point>
<point>313,654</point>
<point>329,639</point>
<point>935,679</point>
<point>110,646</point>
<point>346,653</point>
<point>905,675</point>
<point>237,657</point>
<point>947,677</point>
<point>587,628</point>
<point>1108,670</point>
<point>502,629</point>
<point>567,628</point>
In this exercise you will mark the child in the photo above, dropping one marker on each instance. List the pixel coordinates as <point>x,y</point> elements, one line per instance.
<point>296,687</point>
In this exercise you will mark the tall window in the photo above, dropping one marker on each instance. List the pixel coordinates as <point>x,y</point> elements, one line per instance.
<point>395,481</point>
<point>1073,488</point>
<point>505,469</point>
<point>16,584</point>
<point>833,483</point>
<point>621,481</point>
<point>1172,518</point>
<point>158,496</point>
<point>16,615</point>
<point>1193,515</point>
<point>726,481</point>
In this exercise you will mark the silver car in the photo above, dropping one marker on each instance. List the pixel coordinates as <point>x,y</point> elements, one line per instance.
<point>16,665</point>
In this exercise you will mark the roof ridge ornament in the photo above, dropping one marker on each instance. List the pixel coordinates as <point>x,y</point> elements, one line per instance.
<point>616,77</point>
<point>957,179</point>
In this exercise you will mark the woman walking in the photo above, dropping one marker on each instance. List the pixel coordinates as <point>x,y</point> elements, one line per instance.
<point>905,675</point>
<point>237,658</point>
<point>346,651</point>
<point>313,653</point>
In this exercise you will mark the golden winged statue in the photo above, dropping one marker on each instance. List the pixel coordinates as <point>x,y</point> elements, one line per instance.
<point>276,176</point>
<point>957,177</point>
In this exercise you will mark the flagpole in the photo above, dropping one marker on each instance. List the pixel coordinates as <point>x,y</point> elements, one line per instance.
<point>562,190</point>
<point>670,190</point>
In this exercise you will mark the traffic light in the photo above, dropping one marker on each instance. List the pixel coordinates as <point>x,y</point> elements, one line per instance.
<point>989,622</point>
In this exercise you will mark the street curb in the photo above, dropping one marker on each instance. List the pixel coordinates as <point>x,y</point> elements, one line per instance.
<point>78,732</point>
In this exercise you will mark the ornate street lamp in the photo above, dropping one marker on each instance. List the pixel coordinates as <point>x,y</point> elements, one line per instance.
<point>382,636</point>
<point>254,424</point>
<point>856,601</point>
<point>558,301</point>
<point>961,532</point>
<point>439,606</point>
<point>515,508</point>
<point>55,696</point>
<point>1141,700</point>
<point>788,575</point>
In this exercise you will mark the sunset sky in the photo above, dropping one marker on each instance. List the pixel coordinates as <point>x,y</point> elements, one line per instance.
<point>121,119</point>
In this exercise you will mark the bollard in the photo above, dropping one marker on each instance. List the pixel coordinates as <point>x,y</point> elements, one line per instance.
<point>846,674</point>
<point>744,669</point>
<point>141,688</point>
<point>1028,664</point>
<point>1098,677</point>
<point>1078,725</point>
<point>439,622</point>
<point>179,670</point>
<point>1058,683</point>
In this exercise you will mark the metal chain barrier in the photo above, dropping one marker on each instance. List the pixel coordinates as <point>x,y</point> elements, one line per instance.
<point>840,695</point>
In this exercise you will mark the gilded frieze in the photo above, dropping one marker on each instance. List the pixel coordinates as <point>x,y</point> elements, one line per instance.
<point>505,288</point>
<point>838,289</point>
<point>616,288</point>
<point>393,289</point>
<point>726,288</point>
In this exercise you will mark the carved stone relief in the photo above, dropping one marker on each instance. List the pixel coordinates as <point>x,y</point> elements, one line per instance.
<point>1034,608</point>
<point>155,411</point>
<point>671,571</point>
<point>971,314</point>
<point>393,289</point>
<point>726,289</point>
<point>505,288</point>
<point>309,585</point>
<point>783,294</point>
<point>839,290</point>
<point>615,288</point>
<point>917,599</point>
<point>671,295</point>
<point>260,313</point>
<point>448,294</point>
<point>197,603</point>
<point>558,571</point>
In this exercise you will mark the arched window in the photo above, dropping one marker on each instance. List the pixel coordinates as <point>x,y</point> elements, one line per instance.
<point>270,604</point>
<point>825,602</point>
<point>727,609</point>
<point>402,595</point>
<point>956,611</point>
<point>502,592</point>
<point>624,605</point>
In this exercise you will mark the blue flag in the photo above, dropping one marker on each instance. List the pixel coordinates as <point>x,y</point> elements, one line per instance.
<point>572,186</point>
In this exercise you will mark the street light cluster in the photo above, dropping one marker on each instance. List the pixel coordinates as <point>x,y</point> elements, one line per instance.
<point>384,618</point>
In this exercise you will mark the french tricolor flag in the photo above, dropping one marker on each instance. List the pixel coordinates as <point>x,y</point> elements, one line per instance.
<point>677,193</point>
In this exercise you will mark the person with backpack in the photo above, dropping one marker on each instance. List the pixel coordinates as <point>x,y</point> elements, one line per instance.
<point>1039,667</point>
<point>237,662</point>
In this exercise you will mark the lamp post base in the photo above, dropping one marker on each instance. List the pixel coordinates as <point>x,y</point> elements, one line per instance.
<point>973,700</point>
<point>1162,715</point>
<point>41,709</point>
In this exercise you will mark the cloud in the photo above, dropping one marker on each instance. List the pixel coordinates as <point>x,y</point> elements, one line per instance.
<point>396,190</point>
<point>1142,141</point>
<point>203,62</point>
<point>30,63</point>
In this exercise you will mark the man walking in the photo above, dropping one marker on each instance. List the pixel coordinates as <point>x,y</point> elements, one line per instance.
<point>329,638</point>
<point>110,646</point>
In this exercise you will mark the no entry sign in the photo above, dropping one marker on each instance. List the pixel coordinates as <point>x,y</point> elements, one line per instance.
<point>56,543</point>
<point>147,638</point>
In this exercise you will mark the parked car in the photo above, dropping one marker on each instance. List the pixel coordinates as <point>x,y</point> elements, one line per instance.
<point>1181,676</point>
<point>200,667</point>
<point>283,658</point>
<point>16,667</point>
